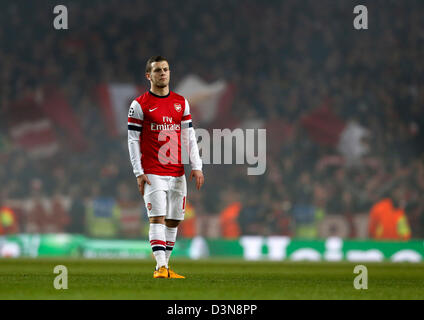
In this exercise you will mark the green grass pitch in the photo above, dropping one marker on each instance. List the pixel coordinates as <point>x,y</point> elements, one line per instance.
<point>207,279</point>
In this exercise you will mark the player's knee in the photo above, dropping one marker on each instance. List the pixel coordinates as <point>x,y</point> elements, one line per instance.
<point>160,219</point>
<point>172,223</point>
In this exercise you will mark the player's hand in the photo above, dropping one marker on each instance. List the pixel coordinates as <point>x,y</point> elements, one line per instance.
<point>141,180</point>
<point>198,175</point>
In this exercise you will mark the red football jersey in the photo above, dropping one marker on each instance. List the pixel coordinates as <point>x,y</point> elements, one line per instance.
<point>159,120</point>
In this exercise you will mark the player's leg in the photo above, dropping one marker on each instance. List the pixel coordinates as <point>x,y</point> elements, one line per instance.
<point>156,209</point>
<point>171,230</point>
<point>176,209</point>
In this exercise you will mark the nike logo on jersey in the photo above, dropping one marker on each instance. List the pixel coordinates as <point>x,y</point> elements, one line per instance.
<point>150,110</point>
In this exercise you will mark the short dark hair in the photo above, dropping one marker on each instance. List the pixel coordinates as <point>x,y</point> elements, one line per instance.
<point>154,59</point>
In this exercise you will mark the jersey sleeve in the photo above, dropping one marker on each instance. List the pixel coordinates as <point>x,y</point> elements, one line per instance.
<point>135,125</point>
<point>189,139</point>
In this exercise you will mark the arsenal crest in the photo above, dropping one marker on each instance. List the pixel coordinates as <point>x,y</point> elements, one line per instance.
<point>149,206</point>
<point>177,107</point>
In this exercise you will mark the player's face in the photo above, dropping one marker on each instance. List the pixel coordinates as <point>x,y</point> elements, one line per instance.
<point>160,74</point>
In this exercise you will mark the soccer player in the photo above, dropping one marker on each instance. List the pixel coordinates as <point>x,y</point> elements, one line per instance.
<point>159,126</point>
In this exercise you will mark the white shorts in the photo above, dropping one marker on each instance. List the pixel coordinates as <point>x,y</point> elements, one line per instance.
<point>166,196</point>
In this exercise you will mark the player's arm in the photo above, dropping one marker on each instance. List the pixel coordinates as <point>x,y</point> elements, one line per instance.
<point>135,125</point>
<point>190,141</point>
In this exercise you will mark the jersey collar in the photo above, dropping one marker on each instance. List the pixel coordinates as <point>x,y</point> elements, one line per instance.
<point>155,95</point>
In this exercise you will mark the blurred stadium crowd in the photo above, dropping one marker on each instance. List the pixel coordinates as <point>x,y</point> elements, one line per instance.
<point>299,70</point>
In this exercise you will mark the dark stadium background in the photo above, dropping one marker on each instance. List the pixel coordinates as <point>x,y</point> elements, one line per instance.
<point>297,68</point>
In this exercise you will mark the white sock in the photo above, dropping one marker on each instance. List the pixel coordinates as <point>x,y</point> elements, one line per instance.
<point>171,236</point>
<point>158,243</point>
